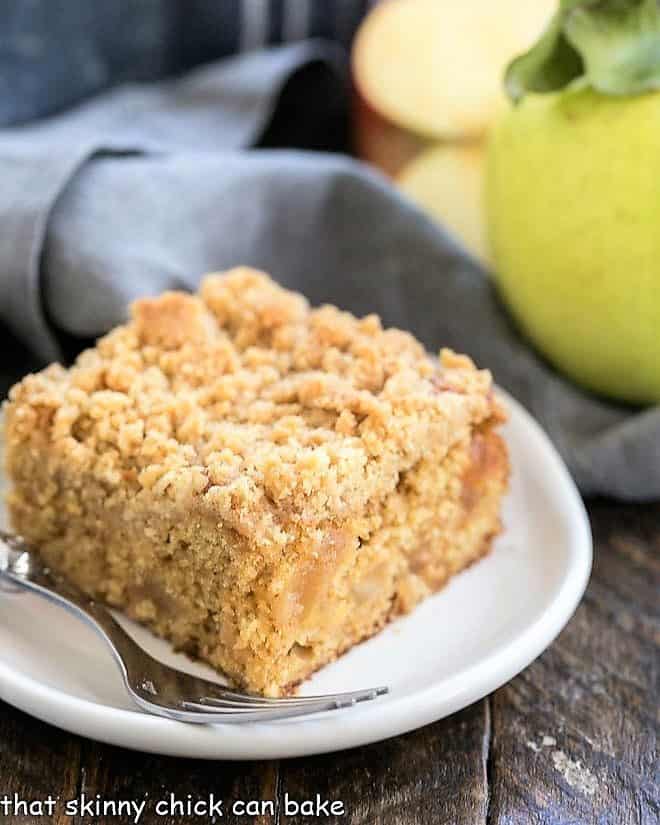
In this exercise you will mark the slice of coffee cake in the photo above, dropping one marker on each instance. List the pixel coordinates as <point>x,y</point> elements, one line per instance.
<point>263,483</point>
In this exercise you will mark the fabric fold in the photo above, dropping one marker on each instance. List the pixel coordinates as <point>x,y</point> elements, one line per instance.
<point>217,107</point>
<point>31,184</point>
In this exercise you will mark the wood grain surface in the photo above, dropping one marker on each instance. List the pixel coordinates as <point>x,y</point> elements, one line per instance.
<point>570,740</point>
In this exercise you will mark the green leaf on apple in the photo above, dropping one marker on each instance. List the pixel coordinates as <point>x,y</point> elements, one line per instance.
<point>612,46</point>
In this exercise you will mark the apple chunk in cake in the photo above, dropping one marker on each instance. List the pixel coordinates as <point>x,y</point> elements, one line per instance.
<point>262,483</point>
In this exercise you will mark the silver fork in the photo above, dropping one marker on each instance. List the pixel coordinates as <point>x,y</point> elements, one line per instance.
<point>154,687</point>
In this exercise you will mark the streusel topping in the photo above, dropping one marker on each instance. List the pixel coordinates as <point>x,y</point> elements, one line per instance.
<point>244,397</point>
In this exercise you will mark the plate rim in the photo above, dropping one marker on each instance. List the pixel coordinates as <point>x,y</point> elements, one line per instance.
<point>138,731</point>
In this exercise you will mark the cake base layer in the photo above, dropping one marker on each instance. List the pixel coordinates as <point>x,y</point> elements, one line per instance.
<point>267,625</point>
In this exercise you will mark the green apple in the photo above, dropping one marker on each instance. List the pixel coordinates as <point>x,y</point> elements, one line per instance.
<point>573,204</point>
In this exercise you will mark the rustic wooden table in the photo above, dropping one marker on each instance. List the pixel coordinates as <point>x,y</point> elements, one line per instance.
<point>570,740</point>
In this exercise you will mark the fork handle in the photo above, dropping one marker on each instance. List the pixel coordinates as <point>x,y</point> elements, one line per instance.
<point>21,567</point>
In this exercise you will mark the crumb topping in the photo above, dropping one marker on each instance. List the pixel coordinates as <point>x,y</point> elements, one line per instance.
<point>248,400</point>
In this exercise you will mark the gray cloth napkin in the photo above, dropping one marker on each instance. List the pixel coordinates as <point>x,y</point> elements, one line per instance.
<point>145,189</point>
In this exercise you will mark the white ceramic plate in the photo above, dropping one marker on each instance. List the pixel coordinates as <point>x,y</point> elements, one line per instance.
<point>481,630</point>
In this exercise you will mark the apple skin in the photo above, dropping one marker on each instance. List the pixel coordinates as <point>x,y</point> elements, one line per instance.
<point>381,142</point>
<point>573,211</point>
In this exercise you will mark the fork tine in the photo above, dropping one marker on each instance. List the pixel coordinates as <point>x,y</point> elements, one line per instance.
<point>342,699</point>
<point>211,709</point>
<point>211,691</point>
<point>200,713</point>
<point>203,690</point>
<point>234,717</point>
<point>193,713</point>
